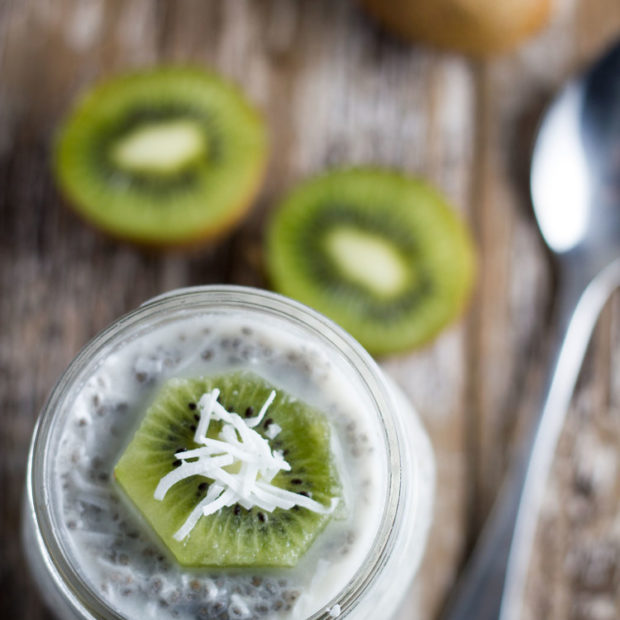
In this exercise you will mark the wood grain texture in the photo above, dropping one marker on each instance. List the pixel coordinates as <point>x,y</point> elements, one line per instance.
<point>335,90</point>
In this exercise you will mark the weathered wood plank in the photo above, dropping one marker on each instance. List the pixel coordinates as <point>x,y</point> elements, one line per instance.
<point>335,91</point>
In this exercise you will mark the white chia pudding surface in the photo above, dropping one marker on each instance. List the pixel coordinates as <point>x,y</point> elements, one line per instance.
<point>111,546</point>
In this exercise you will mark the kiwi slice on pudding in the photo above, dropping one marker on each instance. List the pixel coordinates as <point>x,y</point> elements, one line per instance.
<point>234,534</point>
<point>381,254</point>
<point>166,156</point>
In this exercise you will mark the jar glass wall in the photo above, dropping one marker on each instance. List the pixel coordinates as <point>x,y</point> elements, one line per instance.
<point>94,556</point>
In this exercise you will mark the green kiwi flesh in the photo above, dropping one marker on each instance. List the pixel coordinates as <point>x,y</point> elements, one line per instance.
<point>381,254</point>
<point>233,536</point>
<point>166,156</point>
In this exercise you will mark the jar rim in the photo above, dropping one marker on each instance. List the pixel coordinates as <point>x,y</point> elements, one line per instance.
<point>73,585</point>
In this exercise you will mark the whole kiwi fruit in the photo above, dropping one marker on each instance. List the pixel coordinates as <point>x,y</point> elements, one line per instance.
<point>475,27</point>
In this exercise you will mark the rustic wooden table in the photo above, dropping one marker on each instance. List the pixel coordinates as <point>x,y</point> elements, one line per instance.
<point>335,91</point>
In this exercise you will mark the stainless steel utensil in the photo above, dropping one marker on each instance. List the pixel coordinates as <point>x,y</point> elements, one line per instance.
<point>575,185</point>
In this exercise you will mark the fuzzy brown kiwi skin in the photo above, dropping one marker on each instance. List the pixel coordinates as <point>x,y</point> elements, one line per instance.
<point>462,26</point>
<point>201,237</point>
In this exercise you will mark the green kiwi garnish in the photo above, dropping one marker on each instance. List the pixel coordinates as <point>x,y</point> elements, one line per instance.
<point>234,535</point>
<point>166,156</point>
<point>381,254</point>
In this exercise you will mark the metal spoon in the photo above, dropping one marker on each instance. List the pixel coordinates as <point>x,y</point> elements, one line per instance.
<point>575,185</point>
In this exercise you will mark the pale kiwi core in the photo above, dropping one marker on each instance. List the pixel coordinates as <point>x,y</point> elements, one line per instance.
<point>163,147</point>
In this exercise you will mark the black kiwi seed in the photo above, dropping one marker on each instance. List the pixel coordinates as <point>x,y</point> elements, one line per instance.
<point>261,517</point>
<point>297,481</point>
<point>192,406</point>
<point>237,509</point>
<point>380,253</point>
<point>267,422</point>
<point>249,412</point>
<point>176,463</point>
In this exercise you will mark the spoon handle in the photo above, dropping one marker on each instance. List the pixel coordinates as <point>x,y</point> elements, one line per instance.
<point>493,582</point>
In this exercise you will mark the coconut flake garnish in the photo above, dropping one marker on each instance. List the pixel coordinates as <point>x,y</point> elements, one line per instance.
<point>240,462</point>
<point>273,430</point>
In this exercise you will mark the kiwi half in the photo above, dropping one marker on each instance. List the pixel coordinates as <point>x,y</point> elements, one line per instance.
<point>166,156</point>
<point>233,536</point>
<point>381,254</point>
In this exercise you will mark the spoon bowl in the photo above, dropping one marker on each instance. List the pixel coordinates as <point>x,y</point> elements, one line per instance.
<point>575,177</point>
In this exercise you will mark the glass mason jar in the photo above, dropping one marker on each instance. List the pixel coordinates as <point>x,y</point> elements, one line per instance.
<point>86,559</point>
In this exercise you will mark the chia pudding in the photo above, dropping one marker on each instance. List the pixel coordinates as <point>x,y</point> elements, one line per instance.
<point>95,555</point>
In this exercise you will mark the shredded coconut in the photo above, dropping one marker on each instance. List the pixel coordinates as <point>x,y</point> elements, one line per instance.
<point>273,431</point>
<point>240,462</point>
<point>252,422</point>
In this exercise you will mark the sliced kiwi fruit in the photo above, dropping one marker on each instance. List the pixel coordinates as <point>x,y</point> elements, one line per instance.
<point>381,254</point>
<point>233,536</point>
<point>166,156</point>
